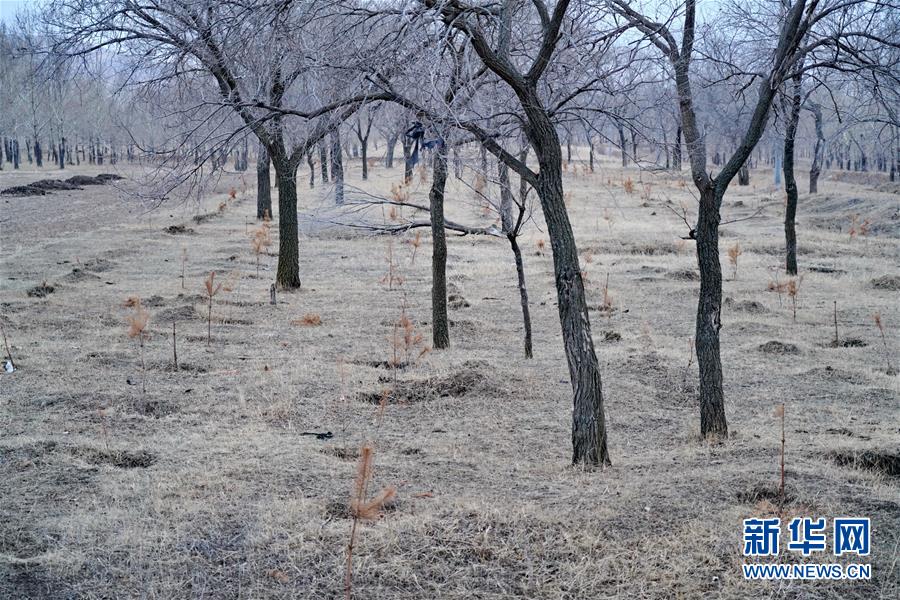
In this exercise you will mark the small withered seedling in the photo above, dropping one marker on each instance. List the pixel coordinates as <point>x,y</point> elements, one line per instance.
<point>12,364</point>
<point>212,288</point>
<point>260,242</point>
<point>628,184</point>
<point>779,413</point>
<point>607,305</point>
<point>609,218</point>
<point>733,253</point>
<point>793,290</point>
<point>363,508</point>
<point>392,278</point>
<point>415,243</point>
<point>308,320</point>
<point>137,323</point>
<point>858,228</point>
<point>183,260</point>
<point>887,355</point>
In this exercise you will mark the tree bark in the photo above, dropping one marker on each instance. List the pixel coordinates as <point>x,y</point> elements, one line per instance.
<point>407,152</point>
<point>312,168</point>
<point>790,182</point>
<point>709,311</point>
<point>440,326</point>
<point>389,152</point>
<point>523,293</point>
<point>337,166</point>
<point>288,272</point>
<point>364,153</point>
<point>588,421</point>
<point>816,168</point>
<point>511,229</point>
<point>744,174</point>
<point>323,160</point>
<point>676,150</point>
<point>263,185</point>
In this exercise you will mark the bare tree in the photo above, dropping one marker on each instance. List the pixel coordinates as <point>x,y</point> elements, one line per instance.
<point>793,29</point>
<point>483,27</point>
<point>274,92</point>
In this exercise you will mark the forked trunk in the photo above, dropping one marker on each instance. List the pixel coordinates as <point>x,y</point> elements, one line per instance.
<point>709,312</point>
<point>440,326</point>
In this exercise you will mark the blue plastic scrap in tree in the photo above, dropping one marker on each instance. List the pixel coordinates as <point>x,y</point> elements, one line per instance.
<point>416,132</point>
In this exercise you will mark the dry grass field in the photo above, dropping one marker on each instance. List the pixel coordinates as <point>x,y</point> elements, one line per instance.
<point>206,486</point>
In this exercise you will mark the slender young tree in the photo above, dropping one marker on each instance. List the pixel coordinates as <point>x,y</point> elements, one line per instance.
<point>588,421</point>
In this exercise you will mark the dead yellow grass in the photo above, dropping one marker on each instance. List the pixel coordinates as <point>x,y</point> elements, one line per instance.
<point>208,486</point>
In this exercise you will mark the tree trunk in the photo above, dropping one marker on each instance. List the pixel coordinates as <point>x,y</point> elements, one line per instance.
<point>510,228</point>
<point>62,153</point>
<point>588,425</point>
<point>440,326</point>
<point>389,152</point>
<point>676,150</point>
<point>263,185</point>
<point>622,145</point>
<point>523,293</point>
<point>323,160</point>
<point>337,167</point>
<point>816,168</point>
<point>288,272</point>
<point>778,164</point>
<point>364,153</point>
<point>407,166</point>
<point>709,311</point>
<point>744,174</point>
<point>790,182</point>
<point>38,153</point>
<point>312,168</point>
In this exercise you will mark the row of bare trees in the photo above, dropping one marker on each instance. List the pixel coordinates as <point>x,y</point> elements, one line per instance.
<point>520,80</point>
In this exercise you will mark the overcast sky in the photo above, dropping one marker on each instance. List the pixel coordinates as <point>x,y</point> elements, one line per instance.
<point>8,8</point>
